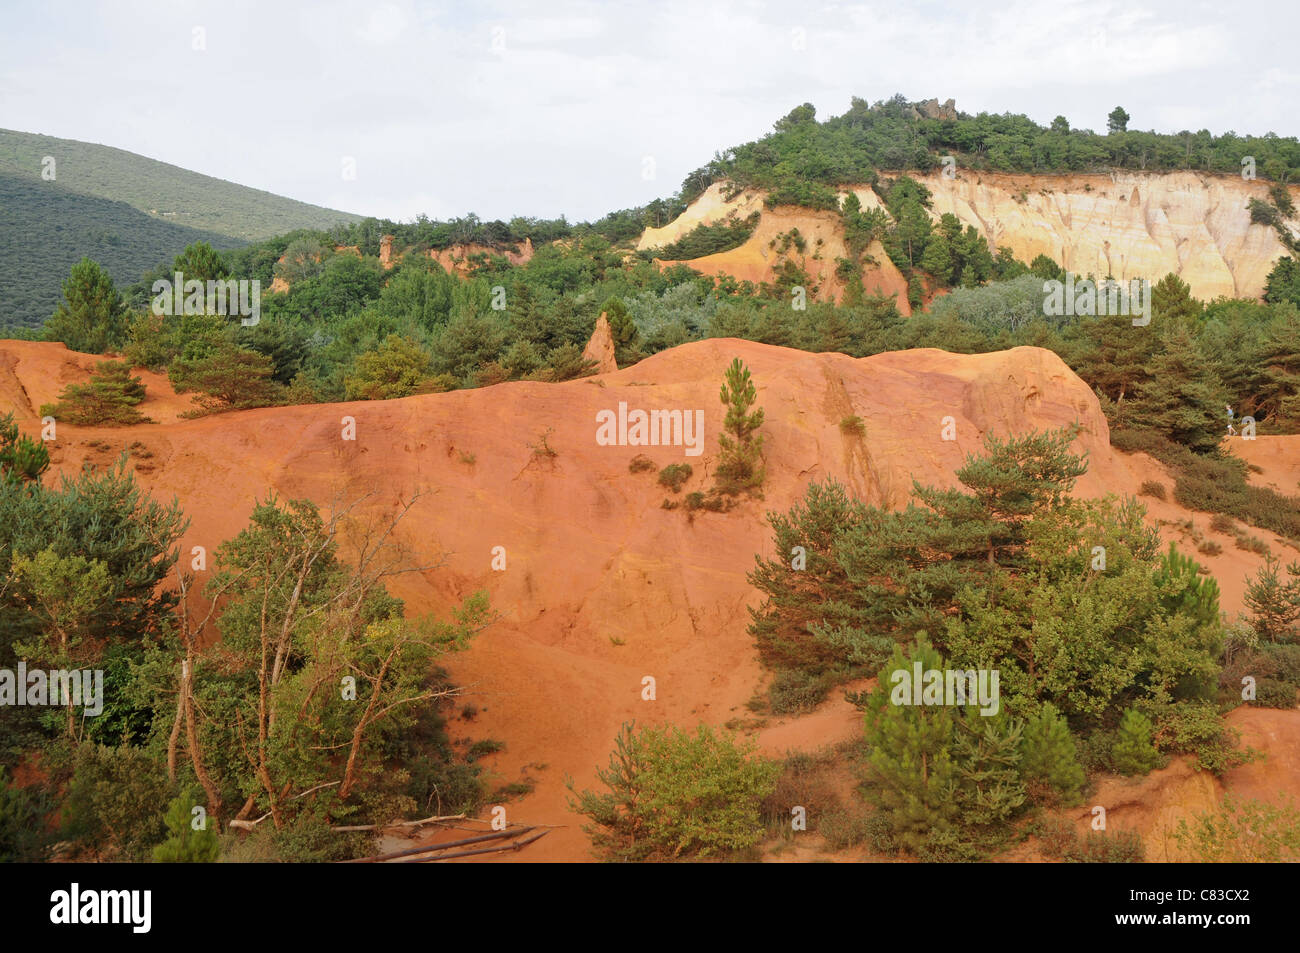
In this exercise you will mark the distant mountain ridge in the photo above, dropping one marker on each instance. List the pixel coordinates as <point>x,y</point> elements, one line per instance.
<point>126,211</point>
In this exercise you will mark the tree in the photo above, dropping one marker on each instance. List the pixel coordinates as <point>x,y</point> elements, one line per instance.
<point>303,259</point>
<point>623,330</point>
<point>92,317</point>
<point>1171,300</point>
<point>1274,605</point>
<point>230,378</point>
<point>22,459</point>
<point>1283,282</point>
<point>1117,120</point>
<point>1133,752</point>
<point>676,794</point>
<point>740,466</point>
<point>1049,760</point>
<point>1183,399</point>
<point>185,845</point>
<point>200,262</point>
<point>109,398</point>
<point>397,368</point>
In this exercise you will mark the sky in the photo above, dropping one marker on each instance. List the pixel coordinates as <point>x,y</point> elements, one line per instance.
<point>398,108</point>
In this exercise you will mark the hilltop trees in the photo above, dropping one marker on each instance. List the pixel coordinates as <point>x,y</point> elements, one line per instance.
<point>92,317</point>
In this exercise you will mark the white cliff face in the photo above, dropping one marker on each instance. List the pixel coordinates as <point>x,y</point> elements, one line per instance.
<point>1125,224</point>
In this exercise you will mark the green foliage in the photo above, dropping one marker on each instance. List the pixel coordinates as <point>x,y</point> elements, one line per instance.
<point>114,802</point>
<point>1133,752</point>
<point>709,239</point>
<point>1243,832</point>
<point>946,779</point>
<point>740,465</point>
<point>1274,605</point>
<point>1049,761</point>
<point>1197,728</point>
<point>109,398</point>
<point>92,317</point>
<point>22,459</point>
<point>229,378</point>
<point>397,368</point>
<point>675,475</point>
<point>24,837</point>
<point>674,794</point>
<point>184,844</point>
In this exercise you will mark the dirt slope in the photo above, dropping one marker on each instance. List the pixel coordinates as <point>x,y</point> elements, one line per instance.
<point>602,586</point>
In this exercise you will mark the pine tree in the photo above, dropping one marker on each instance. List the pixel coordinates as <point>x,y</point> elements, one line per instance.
<point>92,318</point>
<point>937,259</point>
<point>1274,605</point>
<point>624,332</point>
<point>1183,399</point>
<point>1112,354</point>
<point>200,262</point>
<point>1171,300</point>
<point>1133,752</point>
<point>740,467</point>
<point>22,459</point>
<point>914,779</point>
<point>109,398</point>
<point>187,845</point>
<point>1049,758</point>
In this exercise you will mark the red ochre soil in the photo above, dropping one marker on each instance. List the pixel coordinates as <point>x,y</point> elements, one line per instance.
<point>602,586</point>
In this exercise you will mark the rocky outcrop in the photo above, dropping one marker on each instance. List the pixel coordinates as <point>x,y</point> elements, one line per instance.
<point>1125,224</point>
<point>601,347</point>
<point>386,251</point>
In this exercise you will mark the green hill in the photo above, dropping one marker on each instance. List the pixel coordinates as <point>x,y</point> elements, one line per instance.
<point>126,211</point>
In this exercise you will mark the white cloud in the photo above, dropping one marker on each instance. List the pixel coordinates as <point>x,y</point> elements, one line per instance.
<point>502,109</point>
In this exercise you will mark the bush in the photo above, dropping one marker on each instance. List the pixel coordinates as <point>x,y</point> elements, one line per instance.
<point>1120,847</point>
<point>114,804</point>
<point>1271,693</point>
<point>187,845</point>
<point>852,426</point>
<point>1152,488</point>
<point>23,836</point>
<point>675,475</point>
<point>1209,548</point>
<point>1197,728</point>
<point>843,829</point>
<point>640,464</point>
<point>1049,760</point>
<point>674,794</point>
<point>795,691</point>
<point>1222,523</point>
<point>1133,752</point>
<point>309,839</point>
<point>108,399</point>
<point>1249,832</point>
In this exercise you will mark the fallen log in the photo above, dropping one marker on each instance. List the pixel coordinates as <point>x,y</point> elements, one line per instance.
<point>431,848</point>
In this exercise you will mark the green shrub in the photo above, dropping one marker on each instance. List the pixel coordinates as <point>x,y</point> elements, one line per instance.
<point>1243,832</point>
<point>108,399</point>
<point>796,692</point>
<point>1271,693</point>
<point>309,839</point>
<point>1133,752</point>
<point>1049,759</point>
<point>115,802</point>
<point>640,464</point>
<point>1152,488</point>
<point>185,845</point>
<point>1118,847</point>
<point>1209,548</point>
<point>852,426</point>
<point>674,794</point>
<point>1222,523</point>
<point>675,475</point>
<point>23,835</point>
<point>843,828</point>
<point>1197,728</point>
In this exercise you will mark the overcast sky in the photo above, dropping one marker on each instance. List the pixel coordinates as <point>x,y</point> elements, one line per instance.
<point>553,108</point>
